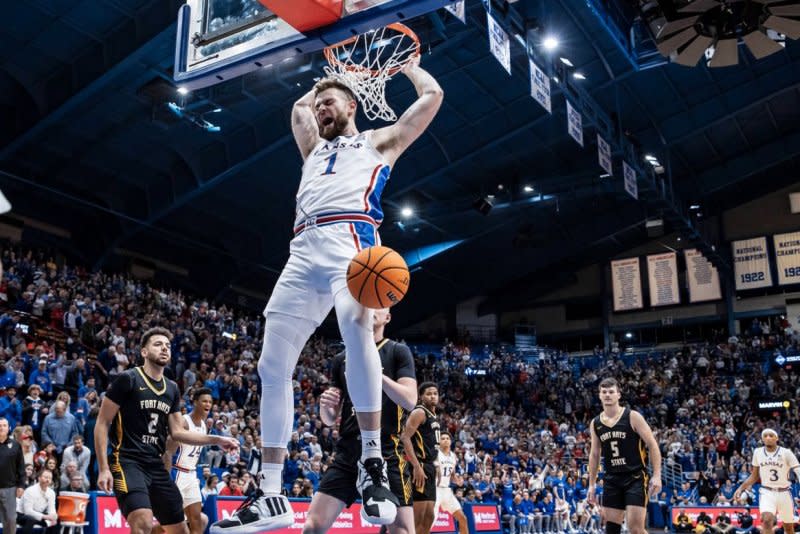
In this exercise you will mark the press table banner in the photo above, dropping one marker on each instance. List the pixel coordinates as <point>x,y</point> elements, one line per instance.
<point>662,274</point>
<point>626,284</point>
<point>787,257</point>
<point>751,263</point>
<point>702,276</point>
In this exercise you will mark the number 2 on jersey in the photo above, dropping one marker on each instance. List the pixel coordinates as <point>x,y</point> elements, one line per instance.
<point>151,427</point>
<point>331,162</point>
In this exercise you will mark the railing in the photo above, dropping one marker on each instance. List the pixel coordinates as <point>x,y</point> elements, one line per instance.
<point>671,474</point>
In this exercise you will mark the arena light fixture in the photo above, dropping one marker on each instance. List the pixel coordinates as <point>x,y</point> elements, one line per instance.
<point>406,212</point>
<point>687,30</point>
<point>183,91</point>
<point>566,62</point>
<point>550,43</point>
<point>528,189</point>
<point>579,76</point>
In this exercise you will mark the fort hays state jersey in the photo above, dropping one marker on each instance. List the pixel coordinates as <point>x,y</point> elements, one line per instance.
<point>139,431</point>
<point>621,447</point>
<point>343,176</point>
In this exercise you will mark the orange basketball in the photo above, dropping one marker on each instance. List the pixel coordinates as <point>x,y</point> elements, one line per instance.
<point>378,277</point>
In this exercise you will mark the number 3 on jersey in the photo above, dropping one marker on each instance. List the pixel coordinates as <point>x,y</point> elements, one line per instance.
<point>331,162</point>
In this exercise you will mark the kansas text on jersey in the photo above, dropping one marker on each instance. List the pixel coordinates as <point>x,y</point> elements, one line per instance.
<point>343,176</point>
<point>774,467</point>
<point>622,449</point>
<point>139,430</point>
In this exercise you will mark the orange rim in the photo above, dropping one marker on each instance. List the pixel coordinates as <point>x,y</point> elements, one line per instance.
<point>333,59</point>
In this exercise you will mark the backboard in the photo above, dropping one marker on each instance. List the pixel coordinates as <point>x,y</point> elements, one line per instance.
<point>218,40</point>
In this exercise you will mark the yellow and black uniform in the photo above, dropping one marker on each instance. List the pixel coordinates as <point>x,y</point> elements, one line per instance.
<point>138,440</point>
<point>624,462</point>
<point>339,481</point>
<point>426,441</point>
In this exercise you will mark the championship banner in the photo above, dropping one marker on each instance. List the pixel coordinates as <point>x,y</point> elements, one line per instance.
<point>457,9</point>
<point>499,44</point>
<point>787,257</point>
<point>751,263</point>
<point>349,520</point>
<point>626,284</point>
<point>574,123</point>
<point>604,155</point>
<point>714,511</point>
<point>540,86</point>
<point>703,277</point>
<point>662,273</point>
<point>629,180</point>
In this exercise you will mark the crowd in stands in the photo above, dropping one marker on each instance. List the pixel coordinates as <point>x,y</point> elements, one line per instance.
<point>520,425</point>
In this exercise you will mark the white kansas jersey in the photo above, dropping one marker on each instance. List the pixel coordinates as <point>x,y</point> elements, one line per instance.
<point>187,455</point>
<point>345,175</point>
<point>774,467</point>
<point>447,465</point>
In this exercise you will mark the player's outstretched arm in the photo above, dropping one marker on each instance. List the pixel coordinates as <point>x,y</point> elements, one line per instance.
<point>108,411</point>
<point>180,434</point>
<point>304,125</point>
<point>172,446</point>
<point>393,140</point>
<point>641,427</point>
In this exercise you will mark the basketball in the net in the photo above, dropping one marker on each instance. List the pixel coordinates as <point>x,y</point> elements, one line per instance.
<point>378,277</point>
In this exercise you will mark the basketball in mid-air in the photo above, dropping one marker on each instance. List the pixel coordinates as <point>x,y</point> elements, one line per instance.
<point>378,277</point>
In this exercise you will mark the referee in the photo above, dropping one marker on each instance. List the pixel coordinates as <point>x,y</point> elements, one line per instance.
<point>12,478</point>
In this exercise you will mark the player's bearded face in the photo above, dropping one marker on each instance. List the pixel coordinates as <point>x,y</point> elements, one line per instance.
<point>333,112</point>
<point>158,350</point>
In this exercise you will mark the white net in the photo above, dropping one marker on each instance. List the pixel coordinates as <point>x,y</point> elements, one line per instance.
<point>366,62</point>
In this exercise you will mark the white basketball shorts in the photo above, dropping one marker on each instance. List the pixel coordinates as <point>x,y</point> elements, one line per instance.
<point>778,503</point>
<point>446,500</point>
<point>189,487</point>
<point>317,269</point>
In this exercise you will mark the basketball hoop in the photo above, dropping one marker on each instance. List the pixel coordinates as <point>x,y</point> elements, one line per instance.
<point>366,62</point>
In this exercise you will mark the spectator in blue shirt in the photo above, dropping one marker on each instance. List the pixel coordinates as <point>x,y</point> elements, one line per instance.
<point>11,407</point>
<point>41,377</point>
<point>34,410</point>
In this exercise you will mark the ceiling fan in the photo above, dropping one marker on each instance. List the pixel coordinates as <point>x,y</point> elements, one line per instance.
<point>686,30</point>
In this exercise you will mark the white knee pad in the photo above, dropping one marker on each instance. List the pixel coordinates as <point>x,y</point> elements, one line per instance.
<point>284,338</point>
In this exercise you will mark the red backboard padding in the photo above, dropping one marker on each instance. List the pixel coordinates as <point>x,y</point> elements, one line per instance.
<point>306,15</point>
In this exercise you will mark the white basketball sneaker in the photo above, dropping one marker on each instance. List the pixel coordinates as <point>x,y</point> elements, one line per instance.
<point>379,504</point>
<point>256,514</point>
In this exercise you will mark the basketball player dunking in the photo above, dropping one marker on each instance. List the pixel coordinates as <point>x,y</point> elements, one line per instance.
<point>446,465</point>
<point>420,438</point>
<point>338,213</point>
<point>772,465</point>
<point>143,404</point>
<point>337,488</point>
<point>620,436</point>
<point>184,466</point>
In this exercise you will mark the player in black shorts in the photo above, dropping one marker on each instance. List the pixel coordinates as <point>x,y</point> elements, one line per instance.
<point>337,489</point>
<point>421,437</point>
<point>621,435</point>
<point>143,404</point>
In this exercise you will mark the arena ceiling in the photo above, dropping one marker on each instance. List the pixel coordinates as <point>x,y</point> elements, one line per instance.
<point>88,145</point>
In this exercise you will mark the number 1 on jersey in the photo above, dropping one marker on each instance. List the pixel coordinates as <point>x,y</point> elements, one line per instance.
<point>331,162</point>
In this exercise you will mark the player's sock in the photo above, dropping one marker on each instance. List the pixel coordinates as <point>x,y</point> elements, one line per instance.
<point>370,444</point>
<point>271,478</point>
<point>613,528</point>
